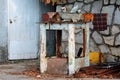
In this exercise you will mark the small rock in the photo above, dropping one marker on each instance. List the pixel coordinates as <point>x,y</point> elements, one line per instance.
<point>109,40</point>
<point>97,37</point>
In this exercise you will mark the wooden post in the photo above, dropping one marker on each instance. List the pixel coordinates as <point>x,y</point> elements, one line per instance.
<point>71,53</point>
<point>58,43</point>
<point>87,33</point>
<point>43,60</point>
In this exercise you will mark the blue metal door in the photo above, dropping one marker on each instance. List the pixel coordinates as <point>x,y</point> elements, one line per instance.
<point>23,31</point>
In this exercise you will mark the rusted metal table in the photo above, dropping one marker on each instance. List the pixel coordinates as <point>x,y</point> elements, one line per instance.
<point>73,63</point>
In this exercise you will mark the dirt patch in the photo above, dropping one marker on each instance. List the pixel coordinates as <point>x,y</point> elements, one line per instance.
<point>36,73</point>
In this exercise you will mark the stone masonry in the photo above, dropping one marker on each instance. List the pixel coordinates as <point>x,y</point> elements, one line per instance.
<point>108,41</point>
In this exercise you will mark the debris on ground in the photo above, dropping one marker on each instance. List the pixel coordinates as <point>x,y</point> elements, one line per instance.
<point>97,72</point>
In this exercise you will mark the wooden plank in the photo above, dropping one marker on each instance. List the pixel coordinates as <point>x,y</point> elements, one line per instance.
<point>71,52</point>
<point>43,60</point>
<point>84,42</point>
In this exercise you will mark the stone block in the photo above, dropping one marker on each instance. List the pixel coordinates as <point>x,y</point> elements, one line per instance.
<point>86,8</point>
<point>117,17</point>
<point>106,32</point>
<point>115,51</point>
<point>97,37</point>
<point>106,1</point>
<point>112,1</point>
<point>109,10</point>
<point>109,40</point>
<point>69,17</point>
<point>69,7</point>
<point>109,58</point>
<point>79,0</point>
<point>117,40</point>
<point>58,8</point>
<point>115,29</point>
<point>66,8</point>
<point>97,5</point>
<point>104,49</point>
<point>88,1</point>
<point>65,47</point>
<point>118,2</point>
<point>65,35</point>
<point>71,1</point>
<point>91,26</point>
<point>80,4</point>
<point>79,37</point>
<point>93,46</point>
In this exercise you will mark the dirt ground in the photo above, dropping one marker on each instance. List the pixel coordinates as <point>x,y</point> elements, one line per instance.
<point>28,70</point>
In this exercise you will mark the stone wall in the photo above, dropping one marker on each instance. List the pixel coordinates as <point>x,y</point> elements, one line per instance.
<point>108,41</point>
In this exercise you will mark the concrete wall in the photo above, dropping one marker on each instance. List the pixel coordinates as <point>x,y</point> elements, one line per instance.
<point>3,30</point>
<point>108,41</point>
